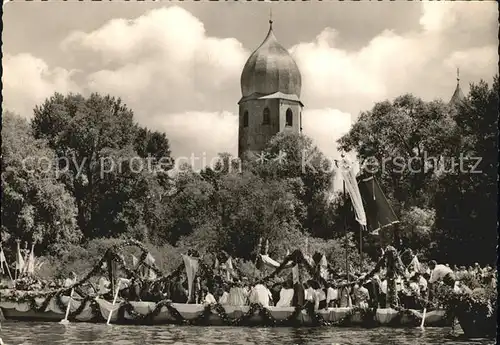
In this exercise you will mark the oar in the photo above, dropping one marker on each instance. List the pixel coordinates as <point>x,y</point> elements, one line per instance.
<point>114,301</point>
<point>423,319</point>
<point>425,310</point>
<point>65,321</point>
<point>1,341</point>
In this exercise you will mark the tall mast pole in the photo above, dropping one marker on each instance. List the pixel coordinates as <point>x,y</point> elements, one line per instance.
<point>360,248</point>
<point>345,231</point>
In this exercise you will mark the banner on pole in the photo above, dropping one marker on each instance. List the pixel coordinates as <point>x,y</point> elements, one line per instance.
<point>2,260</point>
<point>378,210</point>
<point>351,185</point>
<point>19,260</point>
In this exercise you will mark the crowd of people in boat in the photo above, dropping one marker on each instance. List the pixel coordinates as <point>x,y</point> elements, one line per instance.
<point>413,288</point>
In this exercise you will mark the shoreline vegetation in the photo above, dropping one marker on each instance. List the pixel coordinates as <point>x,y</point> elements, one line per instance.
<point>449,216</point>
<point>473,302</point>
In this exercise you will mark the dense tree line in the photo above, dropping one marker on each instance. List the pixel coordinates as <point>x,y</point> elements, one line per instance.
<point>425,155</point>
<point>105,176</point>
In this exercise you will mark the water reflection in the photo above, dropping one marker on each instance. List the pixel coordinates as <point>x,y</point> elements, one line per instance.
<point>17,333</point>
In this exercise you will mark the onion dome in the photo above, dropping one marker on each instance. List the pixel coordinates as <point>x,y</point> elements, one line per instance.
<point>270,69</point>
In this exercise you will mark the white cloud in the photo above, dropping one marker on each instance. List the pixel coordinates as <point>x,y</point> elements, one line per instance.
<point>326,126</point>
<point>28,81</point>
<point>422,62</point>
<point>179,80</point>
<point>199,134</point>
<point>163,61</point>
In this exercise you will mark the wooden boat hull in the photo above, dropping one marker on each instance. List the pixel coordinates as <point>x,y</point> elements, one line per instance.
<point>100,312</point>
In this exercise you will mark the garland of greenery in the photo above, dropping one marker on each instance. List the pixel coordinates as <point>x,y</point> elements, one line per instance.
<point>390,259</point>
<point>111,253</point>
<point>367,314</point>
<point>416,319</point>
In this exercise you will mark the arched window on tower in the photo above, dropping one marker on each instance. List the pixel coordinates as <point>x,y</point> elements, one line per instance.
<point>266,116</point>
<point>245,119</point>
<point>289,118</point>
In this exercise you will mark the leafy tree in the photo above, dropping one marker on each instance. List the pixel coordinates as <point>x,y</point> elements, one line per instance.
<point>293,157</point>
<point>402,143</point>
<point>152,144</point>
<point>35,204</point>
<point>417,226</point>
<point>189,206</point>
<point>116,187</point>
<point>466,197</point>
<point>242,209</point>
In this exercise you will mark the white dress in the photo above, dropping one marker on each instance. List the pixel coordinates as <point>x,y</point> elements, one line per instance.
<point>260,294</point>
<point>286,297</point>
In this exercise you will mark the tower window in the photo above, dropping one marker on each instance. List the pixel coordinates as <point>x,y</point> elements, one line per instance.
<point>289,117</point>
<point>245,119</point>
<point>266,117</point>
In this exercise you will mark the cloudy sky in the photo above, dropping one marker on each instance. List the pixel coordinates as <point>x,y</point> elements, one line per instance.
<point>178,65</point>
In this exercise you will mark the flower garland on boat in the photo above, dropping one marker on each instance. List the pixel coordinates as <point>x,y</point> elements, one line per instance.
<point>367,315</point>
<point>30,297</point>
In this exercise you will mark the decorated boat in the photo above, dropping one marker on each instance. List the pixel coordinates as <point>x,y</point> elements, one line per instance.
<point>57,304</point>
<point>166,312</point>
<point>475,310</point>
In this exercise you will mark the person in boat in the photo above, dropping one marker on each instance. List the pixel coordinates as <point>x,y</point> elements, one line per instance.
<point>224,298</point>
<point>320,295</point>
<point>299,295</point>
<point>314,296</point>
<point>208,297</point>
<point>103,288</point>
<point>178,292</point>
<point>238,294</point>
<point>344,296</point>
<point>309,291</point>
<point>441,273</point>
<point>276,291</point>
<point>383,292</point>
<point>260,294</point>
<point>246,286</point>
<point>286,295</point>
<point>131,289</point>
<point>361,296</point>
<point>332,296</point>
<point>71,280</point>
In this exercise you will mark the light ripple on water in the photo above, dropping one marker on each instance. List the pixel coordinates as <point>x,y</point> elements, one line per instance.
<point>26,333</point>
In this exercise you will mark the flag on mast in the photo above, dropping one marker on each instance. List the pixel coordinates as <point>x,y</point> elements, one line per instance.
<point>135,261</point>
<point>351,185</point>
<point>19,259</point>
<point>150,261</point>
<point>30,267</point>
<point>379,212</point>
<point>3,260</point>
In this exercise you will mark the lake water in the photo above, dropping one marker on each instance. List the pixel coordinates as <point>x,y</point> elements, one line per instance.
<point>30,333</point>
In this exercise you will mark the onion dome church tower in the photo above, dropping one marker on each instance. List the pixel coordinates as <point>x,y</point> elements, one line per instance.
<point>270,102</point>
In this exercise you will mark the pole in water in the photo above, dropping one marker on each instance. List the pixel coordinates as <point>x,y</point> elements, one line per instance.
<point>346,241</point>
<point>65,321</point>
<point>114,301</point>
<point>423,319</point>
<point>425,311</point>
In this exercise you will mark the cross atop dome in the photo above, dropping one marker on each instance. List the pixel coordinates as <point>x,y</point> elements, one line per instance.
<point>270,69</point>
